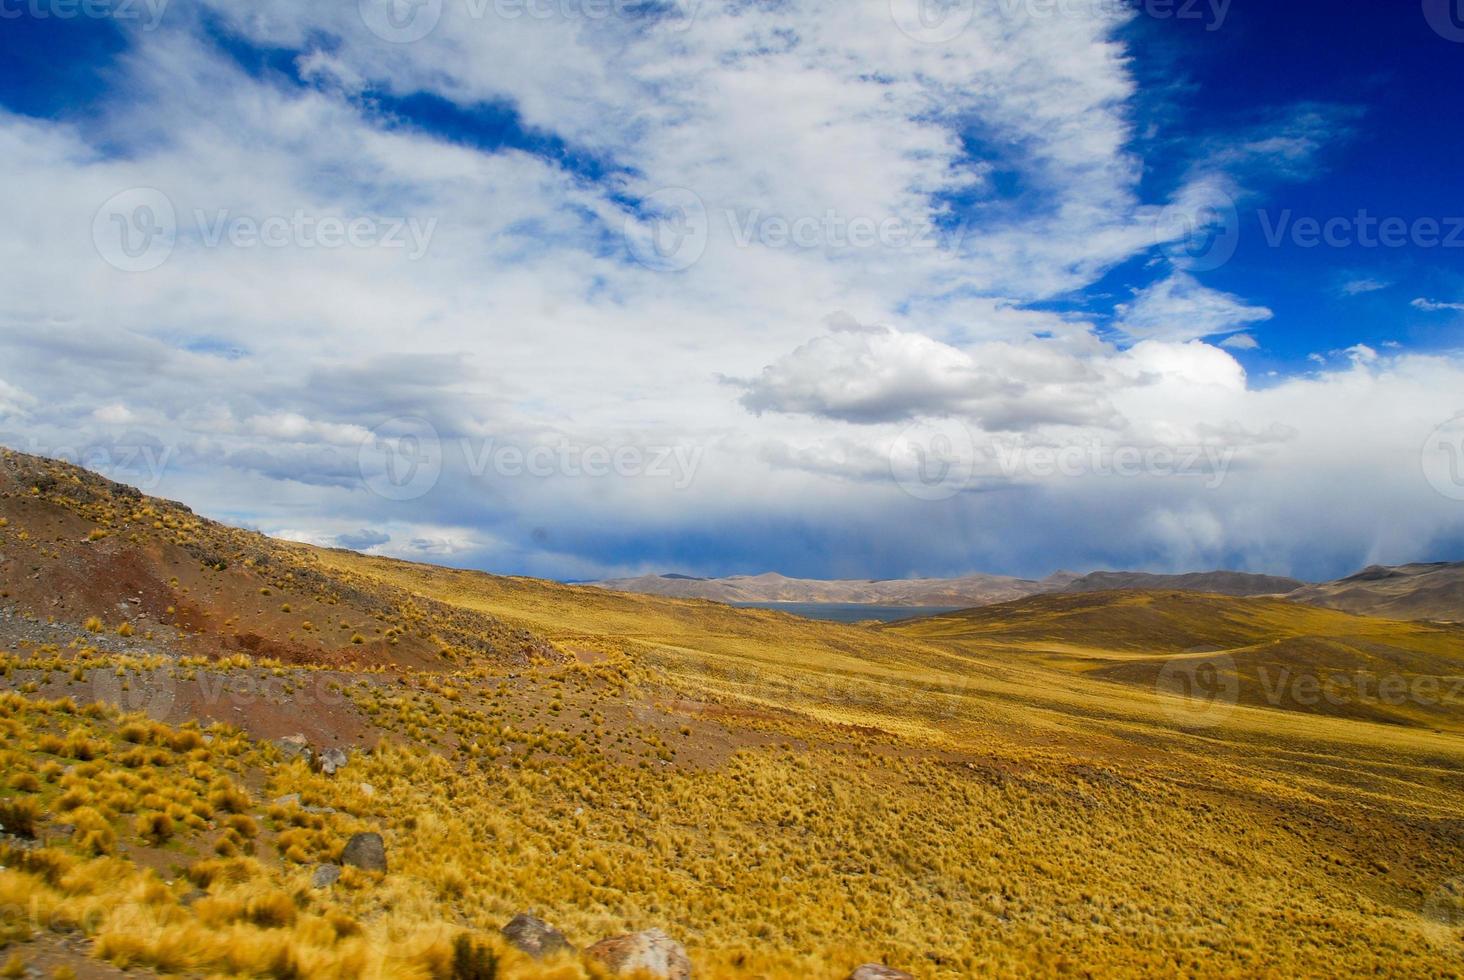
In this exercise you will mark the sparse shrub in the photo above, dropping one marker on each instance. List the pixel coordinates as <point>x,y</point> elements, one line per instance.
<point>271,910</point>
<point>19,816</point>
<point>154,827</point>
<point>94,624</point>
<point>25,782</point>
<point>473,960</point>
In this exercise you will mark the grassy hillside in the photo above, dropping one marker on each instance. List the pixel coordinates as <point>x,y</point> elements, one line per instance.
<point>957,797</point>
<point>1250,651</point>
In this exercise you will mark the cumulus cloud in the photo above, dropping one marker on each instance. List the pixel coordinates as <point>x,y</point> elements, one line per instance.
<point>1180,308</point>
<point>873,375</point>
<point>362,540</point>
<point>256,374</point>
<point>1358,287</point>
<point>1435,306</point>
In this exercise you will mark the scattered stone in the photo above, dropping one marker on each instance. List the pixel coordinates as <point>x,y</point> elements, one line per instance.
<point>365,851</point>
<point>535,937</point>
<point>878,971</point>
<point>295,747</point>
<point>651,951</point>
<point>289,799</point>
<point>325,876</point>
<point>332,761</point>
<point>368,790</point>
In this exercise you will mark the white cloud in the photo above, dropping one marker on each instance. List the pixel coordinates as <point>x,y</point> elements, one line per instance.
<point>1240,341</point>
<point>1434,306</point>
<point>527,323</point>
<point>1358,287</point>
<point>1179,308</point>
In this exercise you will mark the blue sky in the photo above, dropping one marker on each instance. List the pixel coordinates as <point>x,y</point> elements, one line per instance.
<point>718,288</point>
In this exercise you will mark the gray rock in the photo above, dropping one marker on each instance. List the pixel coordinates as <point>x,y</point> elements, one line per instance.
<point>365,851</point>
<point>878,971</point>
<point>332,761</point>
<point>535,937</point>
<point>652,952</point>
<point>295,747</point>
<point>325,876</point>
<point>289,799</point>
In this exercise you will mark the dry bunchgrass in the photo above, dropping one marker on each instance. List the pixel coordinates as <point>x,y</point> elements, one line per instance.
<point>789,798</point>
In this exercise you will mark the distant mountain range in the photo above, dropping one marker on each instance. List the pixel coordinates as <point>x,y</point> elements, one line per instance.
<point>1432,591</point>
<point>1421,591</point>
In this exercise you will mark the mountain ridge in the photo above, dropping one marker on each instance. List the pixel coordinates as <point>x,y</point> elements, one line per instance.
<point>1415,591</point>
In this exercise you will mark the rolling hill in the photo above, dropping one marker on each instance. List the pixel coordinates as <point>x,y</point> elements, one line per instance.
<point>1028,788</point>
<point>1423,591</point>
<point>1413,592</point>
<point>969,590</point>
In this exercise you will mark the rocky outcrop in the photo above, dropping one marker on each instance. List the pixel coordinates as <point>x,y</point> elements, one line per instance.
<point>878,971</point>
<point>535,937</point>
<point>325,876</point>
<point>295,747</point>
<point>332,761</point>
<point>652,951</point>
<point>365,851</point>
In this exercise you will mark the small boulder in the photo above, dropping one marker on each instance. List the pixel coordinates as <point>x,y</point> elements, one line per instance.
<point>295,747</point>
<point>878,971</point>
<point>365,851</point>
<point>535,937</point>
<point>651,951</point>
<point>332,761</point>
<point>368,790</point>
<point>325,876</point>
<point>289,799</point>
